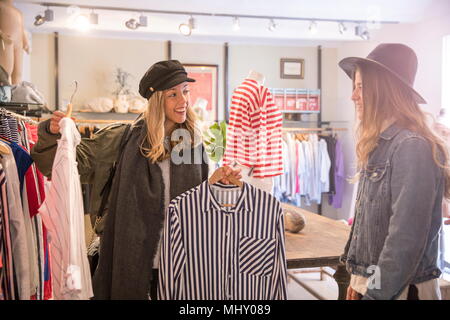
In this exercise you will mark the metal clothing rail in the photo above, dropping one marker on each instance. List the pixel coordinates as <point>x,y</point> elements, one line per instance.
<point>25,109</point>
<point>312,129</point>
<point>26,117</point>
<point>102,121</point>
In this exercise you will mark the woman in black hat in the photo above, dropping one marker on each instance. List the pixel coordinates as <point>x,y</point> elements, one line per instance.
<point>403,175</point>
<point>150,171</point>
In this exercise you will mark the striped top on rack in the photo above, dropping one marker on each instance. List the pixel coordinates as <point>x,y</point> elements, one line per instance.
<point>254,130</point>
<point>214,252</point>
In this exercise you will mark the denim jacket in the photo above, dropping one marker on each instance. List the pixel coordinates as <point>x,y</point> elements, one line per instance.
<point>394,239</point>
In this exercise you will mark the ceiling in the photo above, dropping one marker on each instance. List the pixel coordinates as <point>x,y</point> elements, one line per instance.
<point>220,28</point>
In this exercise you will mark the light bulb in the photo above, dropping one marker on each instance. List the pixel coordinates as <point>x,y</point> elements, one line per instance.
<point>185,29</point>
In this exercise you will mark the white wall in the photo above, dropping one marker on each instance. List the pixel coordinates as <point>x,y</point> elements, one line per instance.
<point>93,62</point>
<point>42,66</point>
<point>266,60</point>
<point>203,53</point>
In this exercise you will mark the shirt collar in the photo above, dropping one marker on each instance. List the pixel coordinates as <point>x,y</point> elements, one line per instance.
<point>390,132</point>
<point>242,202</point>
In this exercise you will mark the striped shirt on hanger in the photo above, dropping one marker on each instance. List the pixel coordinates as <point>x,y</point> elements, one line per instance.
<point>254,130</point>
<point>215,252</point>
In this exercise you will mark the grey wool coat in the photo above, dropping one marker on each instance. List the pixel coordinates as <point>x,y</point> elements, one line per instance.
<point>134,221</point>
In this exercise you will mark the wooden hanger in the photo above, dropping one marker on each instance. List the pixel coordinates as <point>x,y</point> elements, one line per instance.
<point>4,149</point>
<point>301,136</point>
<point>219,175</point>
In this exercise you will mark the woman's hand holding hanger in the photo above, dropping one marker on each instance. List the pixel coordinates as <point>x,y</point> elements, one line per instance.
<point>228,171</point>
<point>54,121</point>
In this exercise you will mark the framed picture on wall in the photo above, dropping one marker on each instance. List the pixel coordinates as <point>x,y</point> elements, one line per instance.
<point>292,68</point>
<point>204,91</point>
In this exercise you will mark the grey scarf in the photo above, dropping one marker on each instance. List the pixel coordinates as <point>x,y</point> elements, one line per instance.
<point>135,219</point>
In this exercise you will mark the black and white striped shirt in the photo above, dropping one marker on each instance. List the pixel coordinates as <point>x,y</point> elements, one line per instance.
<point>210,251</point>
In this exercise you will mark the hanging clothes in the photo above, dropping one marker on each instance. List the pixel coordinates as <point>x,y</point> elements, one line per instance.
<point>210,251</point>
<point>6,256</point>
<point>339,176</point>
<point>20,175</point>
<point>8,127</point>
<point>331,148</point>
<point>254,130</point>
<point>308,176</point>
<point>63,214</point>
<point>20,241</point>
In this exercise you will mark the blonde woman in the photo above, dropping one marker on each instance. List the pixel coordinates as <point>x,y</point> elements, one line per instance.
<point>151,170</point>
<point>392,251</point>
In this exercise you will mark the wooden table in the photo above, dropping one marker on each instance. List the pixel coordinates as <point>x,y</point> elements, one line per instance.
<point>319,244</point>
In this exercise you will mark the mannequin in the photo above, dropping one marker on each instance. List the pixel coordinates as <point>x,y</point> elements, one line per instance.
<point>13,40</point>
<point>258,77</point>
<point>265,184</point>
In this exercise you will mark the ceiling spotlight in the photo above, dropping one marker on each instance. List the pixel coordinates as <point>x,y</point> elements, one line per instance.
<point>39,20</point>
<point>81,23</point>
<point>313,27</point>
<point>192,23</point>
<point>186,28</point>
<point>362,31</point>
<point>48,15</point>
<point>236,24</point>
<point>342,28</point>
<point>93,18</point>
<point>132,24</point>
<point>143,21</point>
<point>272,25</point>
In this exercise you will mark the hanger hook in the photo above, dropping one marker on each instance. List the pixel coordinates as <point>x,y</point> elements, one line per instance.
<point>75,91</point>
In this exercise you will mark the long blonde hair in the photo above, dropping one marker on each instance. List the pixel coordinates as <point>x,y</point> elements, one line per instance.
<point>386,98</point>
<point>152,146</point>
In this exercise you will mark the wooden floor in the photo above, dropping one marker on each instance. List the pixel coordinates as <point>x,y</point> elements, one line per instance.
<point>326,288</point>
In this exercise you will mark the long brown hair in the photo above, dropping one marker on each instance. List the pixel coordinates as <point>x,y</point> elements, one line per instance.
<point>386,98</point>
<point>154,116</point>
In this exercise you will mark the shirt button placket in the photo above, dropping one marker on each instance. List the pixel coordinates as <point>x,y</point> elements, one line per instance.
<point>228,257</point>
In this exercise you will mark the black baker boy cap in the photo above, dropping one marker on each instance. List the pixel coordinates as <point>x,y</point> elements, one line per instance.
<point>161,76</point>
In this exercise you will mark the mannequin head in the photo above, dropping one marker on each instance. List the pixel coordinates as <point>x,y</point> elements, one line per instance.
<point>255,75</point>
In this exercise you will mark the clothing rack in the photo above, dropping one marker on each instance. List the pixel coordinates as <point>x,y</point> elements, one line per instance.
<point>300,130</point>
<point>18,116</point>
<point>101,121</point>
<point>24,109</point>
<point>312,129</point>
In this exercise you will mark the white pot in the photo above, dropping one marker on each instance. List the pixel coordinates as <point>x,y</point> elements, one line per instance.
<point>121,104</point>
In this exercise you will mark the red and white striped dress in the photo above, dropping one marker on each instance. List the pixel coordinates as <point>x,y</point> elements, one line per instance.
<point>254,130</point>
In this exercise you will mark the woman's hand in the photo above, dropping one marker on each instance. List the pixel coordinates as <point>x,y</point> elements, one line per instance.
<point>54,121</point>
<point>229,171</point>
<point>352,294</point>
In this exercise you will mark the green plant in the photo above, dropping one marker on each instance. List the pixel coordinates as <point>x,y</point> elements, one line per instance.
<point>215,140</point>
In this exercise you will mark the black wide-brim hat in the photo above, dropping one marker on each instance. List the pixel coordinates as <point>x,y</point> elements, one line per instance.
<point>161,76</point>
<point>395,58</point>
